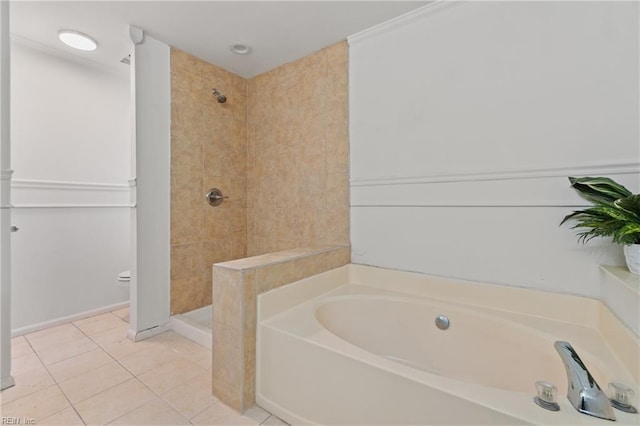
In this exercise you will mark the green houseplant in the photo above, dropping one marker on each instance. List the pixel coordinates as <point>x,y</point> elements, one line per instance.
<point>615,213</point>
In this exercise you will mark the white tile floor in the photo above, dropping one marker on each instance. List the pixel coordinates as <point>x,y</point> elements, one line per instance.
<point>88,372</point>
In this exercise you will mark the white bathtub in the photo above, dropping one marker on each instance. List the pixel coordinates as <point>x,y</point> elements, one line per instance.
<point>358,345</point>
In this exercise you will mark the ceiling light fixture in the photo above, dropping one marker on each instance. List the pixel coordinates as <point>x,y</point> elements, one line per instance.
<point>240,48</point>
<point>77,40</point>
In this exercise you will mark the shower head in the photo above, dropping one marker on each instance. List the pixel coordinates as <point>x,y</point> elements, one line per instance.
<point>219,96</point>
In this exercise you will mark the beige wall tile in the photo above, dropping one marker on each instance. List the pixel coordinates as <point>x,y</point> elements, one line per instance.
<point>337,54</point>
<point>186,276</point>
<point>250,304</point>
<point>250,318</point>
<point>227,298</point>
<point>298,147</point>
<point>186,113</point>
<point>227,356</point>
<point>217,155</point>
<point>337,228</point>
<point>187,213</point>
<point>217,223</point>
<point>208,150</point>
<point>186,293</point>
<point>231,396</point>
<point>186,160</point>
<point>273,276</point>
<point>183,62</point>
<point>239,245</point>
<point>338,258</point>
<point>216,251</point>
<point>249,384</point>
<point>310,265</point>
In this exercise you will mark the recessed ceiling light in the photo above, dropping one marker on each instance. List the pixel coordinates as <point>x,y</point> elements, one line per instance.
<point>240,48</point>
<point>77,40</point>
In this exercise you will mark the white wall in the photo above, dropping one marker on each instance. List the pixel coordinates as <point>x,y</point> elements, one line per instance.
<point>71,154</point>
<point>6,380</point>
<point>71,117</point>
<point>150,279</point>
<point>466,120</point>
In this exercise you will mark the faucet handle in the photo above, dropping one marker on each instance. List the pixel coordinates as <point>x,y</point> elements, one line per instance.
<point>547,393</point>
<point>621,397</point>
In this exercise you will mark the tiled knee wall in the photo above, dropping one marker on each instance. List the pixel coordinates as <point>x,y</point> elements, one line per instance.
<point>236,285</point>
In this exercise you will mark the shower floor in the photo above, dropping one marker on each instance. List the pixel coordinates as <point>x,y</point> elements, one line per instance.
<point>196,325</point>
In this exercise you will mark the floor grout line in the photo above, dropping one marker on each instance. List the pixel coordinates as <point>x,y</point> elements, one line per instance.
<point>202,411</point>
<point>57,385</point>
<point>168,345</point>
<point>104,390</point>
<point>135,376</point>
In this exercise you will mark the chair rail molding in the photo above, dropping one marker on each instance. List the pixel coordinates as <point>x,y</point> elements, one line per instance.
<point>58,194</point>
<point>532,187</point>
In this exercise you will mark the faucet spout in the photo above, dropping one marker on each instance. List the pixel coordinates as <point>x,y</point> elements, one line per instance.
<point>583,391</point>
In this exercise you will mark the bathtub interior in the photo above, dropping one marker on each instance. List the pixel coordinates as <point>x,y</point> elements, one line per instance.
<point>333,324</point>
<point>476,345</point>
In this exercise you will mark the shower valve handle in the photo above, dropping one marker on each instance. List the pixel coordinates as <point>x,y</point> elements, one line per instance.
<point>215,197</point>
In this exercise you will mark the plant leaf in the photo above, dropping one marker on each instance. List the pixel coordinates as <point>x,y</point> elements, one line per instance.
<point>630,205</point>
<point>599,189</point>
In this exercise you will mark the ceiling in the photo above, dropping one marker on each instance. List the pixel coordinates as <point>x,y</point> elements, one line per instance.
<point>278,32</point>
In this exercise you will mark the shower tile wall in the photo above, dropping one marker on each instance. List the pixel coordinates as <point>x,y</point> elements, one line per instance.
<point>297,158</point>
<point>278,147</point>
<point>208,149</point>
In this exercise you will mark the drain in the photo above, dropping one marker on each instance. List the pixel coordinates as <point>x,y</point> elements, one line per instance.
<point>442,322</point>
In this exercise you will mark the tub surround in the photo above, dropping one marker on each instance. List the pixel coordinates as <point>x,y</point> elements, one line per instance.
<point>361,383</point>
<point>236,284</point>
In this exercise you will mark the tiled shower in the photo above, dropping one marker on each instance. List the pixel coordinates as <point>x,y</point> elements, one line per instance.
<point>278,148</point>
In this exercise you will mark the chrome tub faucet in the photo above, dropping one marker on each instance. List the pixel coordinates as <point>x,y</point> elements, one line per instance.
<point>583,391</point>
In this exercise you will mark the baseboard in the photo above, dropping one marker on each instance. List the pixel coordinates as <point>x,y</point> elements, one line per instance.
<point>137,336</point>
<point>70,318</point>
